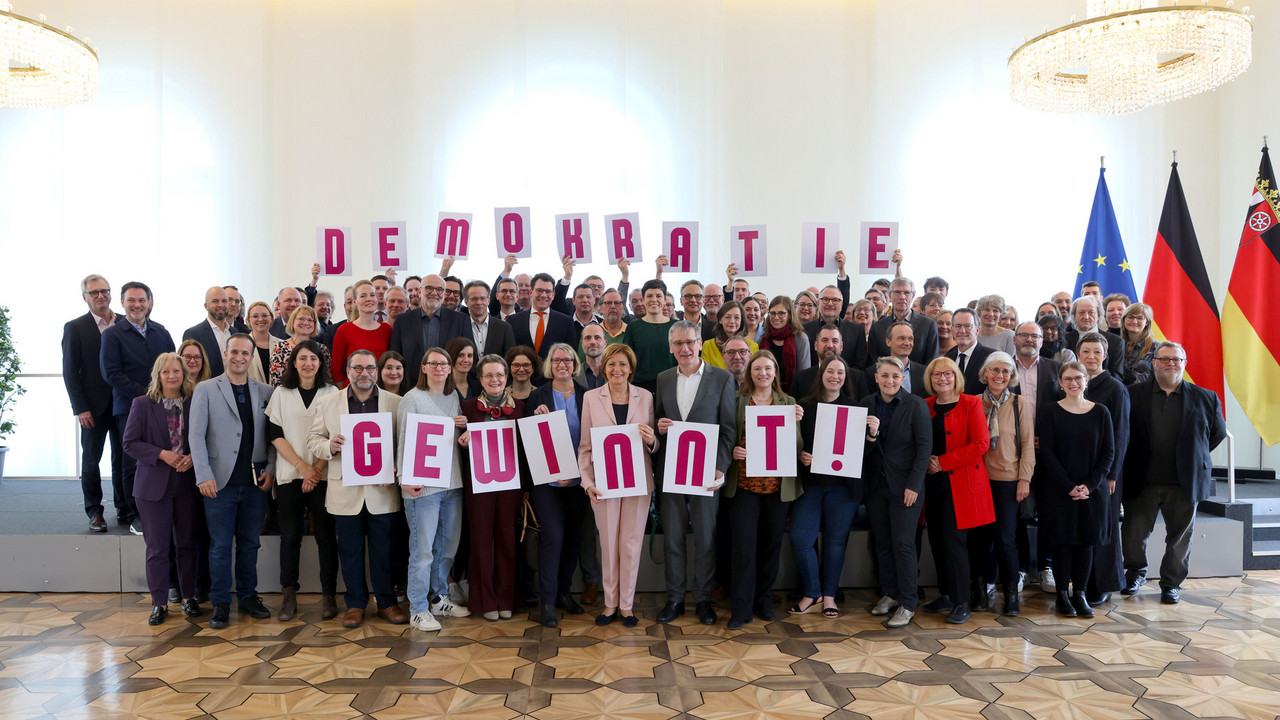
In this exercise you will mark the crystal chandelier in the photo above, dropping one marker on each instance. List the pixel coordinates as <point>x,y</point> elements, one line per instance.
<point>42,67</point>
<point>1130,54</point>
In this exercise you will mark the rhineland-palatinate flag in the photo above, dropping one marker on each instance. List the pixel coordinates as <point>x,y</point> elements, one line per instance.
<point>1251,317</point>
<point>1179,293</point>
<point>1103,257</point>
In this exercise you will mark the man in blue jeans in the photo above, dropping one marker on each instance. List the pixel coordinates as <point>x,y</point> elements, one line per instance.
<point>235,466</point>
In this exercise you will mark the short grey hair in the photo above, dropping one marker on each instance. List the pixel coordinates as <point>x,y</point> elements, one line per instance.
<point>903,281</point>
<point>1170,344</point>
<point>84,284</point>
<point>999,356</point>
<point>681,326</point>
<point>1095,302</point>
<point>889,360</point>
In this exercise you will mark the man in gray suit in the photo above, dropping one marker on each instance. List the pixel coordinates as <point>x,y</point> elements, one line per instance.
<point>235,466</point>
<point>693,391</point>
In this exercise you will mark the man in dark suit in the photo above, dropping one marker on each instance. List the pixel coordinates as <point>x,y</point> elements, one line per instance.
<point>1086,311</point>
<point>901,340</point>
<point>287,300</point>
<point>829,343</point>
<point>555,327</point>
<point>693,391</point>
<point>129,349</point>
<point>1173,426</point>
<point>690,299</point>
<point>583,310</point>
<point>1037,375</point>
<point>430,325</point>
<point>213,333</point>
<point>968,353</point>
<point>852,339</point>
<point>902,292</point>
<point>491,335</point>
<point>90,396</point>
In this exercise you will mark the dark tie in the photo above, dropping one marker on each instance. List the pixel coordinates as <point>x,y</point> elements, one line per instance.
<point>963,359</point>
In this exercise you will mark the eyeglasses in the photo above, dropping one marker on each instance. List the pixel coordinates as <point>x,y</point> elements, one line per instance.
<point>437,365</point>
<point>432,289</point>
<point>363,369</point>
<point>522,366</point>
<point>596,286</point>
<point>611,303</point>
<point>562,361</point>
<point>1026,336</point>
<point>777,313</point>
<point>1073,379</point>
<point>712,296</point>
<point>737,353</point>
<point>494,376</point>
<point>832,301</point>
<point>685,343</point>
<point>962,326</point>
<point>98,293</point>
<point>544,291</point>
<point>453,293</point>
<point>943,374</point>
<point>806,304</point>
<point>1170,360</point>
<point>692,296</point>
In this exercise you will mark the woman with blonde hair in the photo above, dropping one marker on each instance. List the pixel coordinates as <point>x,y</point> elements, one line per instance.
<point>259,317</point>
<point>1139,344</point>
<point>363,332</point>
<point>303,324</point>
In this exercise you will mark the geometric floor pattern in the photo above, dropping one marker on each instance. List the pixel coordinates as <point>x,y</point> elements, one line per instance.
<point>93,656</point>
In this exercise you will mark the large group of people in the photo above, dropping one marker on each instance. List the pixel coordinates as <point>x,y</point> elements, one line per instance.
<point>978,425</point>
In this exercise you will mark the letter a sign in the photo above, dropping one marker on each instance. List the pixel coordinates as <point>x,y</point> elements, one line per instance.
<point>493,456</point>
<point>618,455</point>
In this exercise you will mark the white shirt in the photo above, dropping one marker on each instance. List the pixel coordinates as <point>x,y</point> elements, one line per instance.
<point>533,323</point>
<point>480,332</point>
<point>687,389</point>
<point>967,355</point>
<point>221,336</point>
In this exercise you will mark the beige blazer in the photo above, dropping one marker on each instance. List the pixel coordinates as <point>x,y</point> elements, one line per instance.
<point>340,499</point>
<point>597,410</point>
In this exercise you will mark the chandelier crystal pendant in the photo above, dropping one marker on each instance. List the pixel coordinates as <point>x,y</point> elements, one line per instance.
<point>1131,54</point>
<point>42,67</point>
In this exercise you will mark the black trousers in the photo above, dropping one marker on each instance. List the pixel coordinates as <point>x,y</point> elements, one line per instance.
<point>758,522</point>
<point>128,510</point>
<point>724,543</point>
<point>949,544</point>
<point>560,511</point>
<point>353,530</point>
<point>993,548</point>
<point>92,442</point>
<point>893,525</point>
<point>1074,563</point>
<point>293,506</point>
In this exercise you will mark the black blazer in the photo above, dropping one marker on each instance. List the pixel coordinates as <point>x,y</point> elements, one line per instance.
<point>203,334</point>
<point>806,379</point>
<point>915,370</point>
<point>855,344</point>
<point>559,329</point>
<point>499,339</point>
<point>714,404</point>
<point>902,449</point>
<point>81,371</point>
<point>926,333</point>
<point>1107,390</point>
<point>1201,431</point>
<point>1115,349</point>
<point>145,436</point>
<point>973,384</point>
<point>406,337</point>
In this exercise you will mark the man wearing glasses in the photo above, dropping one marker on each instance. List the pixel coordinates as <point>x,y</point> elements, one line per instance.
<point>91,400</point>
<point>430,325</point>
<point>540,327</point>
<point>492,335</point>
<point>902,291</point>
<point>968,353</point>
<point>613,313</point>
<point>691,300</point>
<point>853,340</point>
<point>1173,426</point>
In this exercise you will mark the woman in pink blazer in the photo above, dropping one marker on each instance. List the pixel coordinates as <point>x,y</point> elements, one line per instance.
<point>620,520</point>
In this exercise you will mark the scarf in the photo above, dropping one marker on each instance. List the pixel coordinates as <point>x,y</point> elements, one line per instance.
<point>993,409</point>
<point>496,409</point>
<point>788,360</point>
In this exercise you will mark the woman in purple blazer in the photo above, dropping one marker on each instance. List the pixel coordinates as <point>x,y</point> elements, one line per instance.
<point>165,484</point>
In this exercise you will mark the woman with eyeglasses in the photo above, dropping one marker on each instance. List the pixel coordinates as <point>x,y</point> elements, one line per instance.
<point>492,515</point>
<point>194,360</point>
<point>1106,389</point>
<point>1055,346</point>
<point>806,304</point>
<point>728,324</point>
<point>523,363</point>
<point>1139,345</point>
<point>362,333</point>
<point>259,317</point>
<point>303,324</point>
<point>1077,446</point>
<point>787,341</point>
<point>560,506</point>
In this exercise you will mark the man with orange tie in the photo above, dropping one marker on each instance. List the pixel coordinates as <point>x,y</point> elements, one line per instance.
<point>540,327</point>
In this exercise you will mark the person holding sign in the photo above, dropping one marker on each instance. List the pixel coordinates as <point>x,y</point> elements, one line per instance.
<point>560,507</point>
<point>829,502</point>
<point>300,484</point>
<point>492,515</point>
<point>620,520</point>
<point>693,392</point>
<point>957,486</point>
<point>434,513</point>
<point>362,513</point>
<point>899,440</point>
<point>758,514</point>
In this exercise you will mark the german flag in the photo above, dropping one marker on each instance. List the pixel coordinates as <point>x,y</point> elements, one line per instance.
<point>1179,293</point>
<point>1251,319</point>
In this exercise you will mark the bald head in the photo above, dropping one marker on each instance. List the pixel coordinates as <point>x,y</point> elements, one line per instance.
<point>217,304</point>
<point>431,294</point>
<point>288,300</point>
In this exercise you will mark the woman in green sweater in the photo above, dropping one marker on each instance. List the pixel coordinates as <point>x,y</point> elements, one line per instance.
<point>647,336</point>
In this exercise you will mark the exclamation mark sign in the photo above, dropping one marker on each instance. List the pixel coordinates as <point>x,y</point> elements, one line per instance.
<point>842,423</point>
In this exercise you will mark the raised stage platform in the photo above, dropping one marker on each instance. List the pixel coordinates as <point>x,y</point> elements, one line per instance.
<point>45,546</point>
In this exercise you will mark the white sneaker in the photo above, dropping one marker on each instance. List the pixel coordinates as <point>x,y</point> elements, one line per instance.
<point>425,622</point>
<point>885,606</point>
<point>1047,583</point>
<point>504,614</point>
<point>900,618</point>
<point>445,607</point>
<point>1022,579</point>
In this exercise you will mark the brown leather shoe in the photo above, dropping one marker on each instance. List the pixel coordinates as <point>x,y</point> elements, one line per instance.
<point>328,607</point>
<point>353,618</point>
<point>97,524</point>
<point>393,615</point>
<point>288,605</point>
<point>590,593</point>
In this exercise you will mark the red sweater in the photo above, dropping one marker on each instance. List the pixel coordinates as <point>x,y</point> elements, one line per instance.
<point>351,337</point>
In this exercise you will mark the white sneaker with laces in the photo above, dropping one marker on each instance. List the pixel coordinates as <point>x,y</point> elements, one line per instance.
<point>900,618</point>
<point>885,606</point>
<point>1047,583</point>
<point>445,607</point>
<point>425,622</point>
<point>1022,579</point>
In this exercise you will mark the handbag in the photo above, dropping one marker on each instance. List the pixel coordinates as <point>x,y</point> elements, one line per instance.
<point>528,520</point>
<point>1026,508</point>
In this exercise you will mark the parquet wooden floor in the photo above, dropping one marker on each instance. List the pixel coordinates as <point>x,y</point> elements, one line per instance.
<point>1215,655</point>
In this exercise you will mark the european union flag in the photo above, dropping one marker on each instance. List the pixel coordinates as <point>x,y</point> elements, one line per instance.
<point>1103,258</point>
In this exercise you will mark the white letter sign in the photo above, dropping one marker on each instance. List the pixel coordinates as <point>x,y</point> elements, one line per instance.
<point>622,233</point>
<point>837,440</point>
<point>618,455</point>
<point>453,235</point>
<point>390,246</point>
<point>747,250</point>
<point>771,441</point>
<point>691,458</point>
<point>879,240</point>
<point>573,237</point>
<point>680,245</point>
<point>494,465</point>
<point>818,245</point>
<point>548,447</point>
<point>366,454</point>
<point>428,451</point>
<point>511,225</point>
<point>333,250</point>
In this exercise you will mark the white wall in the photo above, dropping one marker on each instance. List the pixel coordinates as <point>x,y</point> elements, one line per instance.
<point>225,132</point>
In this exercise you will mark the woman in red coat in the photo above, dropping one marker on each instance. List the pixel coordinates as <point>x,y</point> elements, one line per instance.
<point>957,492</point>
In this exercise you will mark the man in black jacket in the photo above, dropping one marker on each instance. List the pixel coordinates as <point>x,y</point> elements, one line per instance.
<point>968,353</point>
<point>902,292</point>
<point>214,332</point>
<point>431,325</point>
<point>853,340</point>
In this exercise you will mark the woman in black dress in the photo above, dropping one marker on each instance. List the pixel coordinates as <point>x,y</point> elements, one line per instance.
<point>1077,445</point>
<point>1106,389</point>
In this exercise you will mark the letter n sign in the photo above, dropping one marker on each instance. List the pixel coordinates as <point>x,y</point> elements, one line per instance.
<point>691,458</point>
<point>618,455</point>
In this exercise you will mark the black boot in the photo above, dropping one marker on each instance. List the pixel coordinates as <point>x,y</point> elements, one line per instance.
<point>1081,605</point>
<point>550,618</point>
<point>1065,608</point>
<point>1011,607</point>
<point>979,599</point>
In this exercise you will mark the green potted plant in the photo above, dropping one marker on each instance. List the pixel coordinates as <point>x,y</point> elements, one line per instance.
<point>10,388</point>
